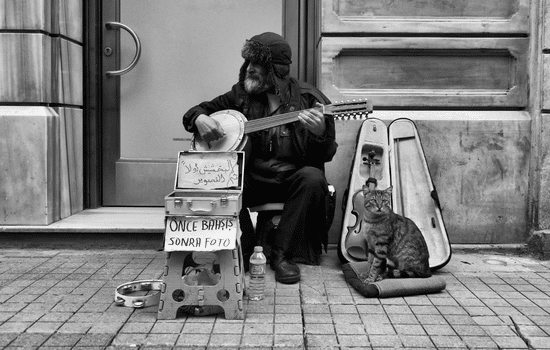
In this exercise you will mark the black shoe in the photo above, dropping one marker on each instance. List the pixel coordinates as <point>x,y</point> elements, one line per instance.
<point>286,271</point>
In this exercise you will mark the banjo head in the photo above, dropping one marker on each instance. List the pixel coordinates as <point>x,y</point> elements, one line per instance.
<point>232,123</point>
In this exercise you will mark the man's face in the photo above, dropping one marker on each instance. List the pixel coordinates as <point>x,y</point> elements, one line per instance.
<point>256,80</point>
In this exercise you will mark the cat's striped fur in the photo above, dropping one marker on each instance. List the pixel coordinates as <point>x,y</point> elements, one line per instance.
<point>396,246</point>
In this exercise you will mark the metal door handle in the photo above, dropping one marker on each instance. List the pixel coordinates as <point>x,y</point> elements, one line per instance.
<point>113,25</point>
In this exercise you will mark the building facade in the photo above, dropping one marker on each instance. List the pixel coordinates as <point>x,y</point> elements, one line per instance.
<point>473,76</point>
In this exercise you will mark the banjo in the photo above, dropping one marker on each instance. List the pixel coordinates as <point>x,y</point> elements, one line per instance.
<point>237,127</point>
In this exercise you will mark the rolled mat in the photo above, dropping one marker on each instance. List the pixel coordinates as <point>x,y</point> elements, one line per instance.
<point>391,287</point>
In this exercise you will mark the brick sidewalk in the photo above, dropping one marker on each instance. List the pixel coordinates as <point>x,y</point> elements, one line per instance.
<point>64,300</point>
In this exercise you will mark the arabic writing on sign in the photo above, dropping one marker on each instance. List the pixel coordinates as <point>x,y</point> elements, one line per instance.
<point>208,170</point>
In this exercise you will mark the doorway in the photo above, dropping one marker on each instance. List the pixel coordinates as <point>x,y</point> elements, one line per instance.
<point>183,52</point>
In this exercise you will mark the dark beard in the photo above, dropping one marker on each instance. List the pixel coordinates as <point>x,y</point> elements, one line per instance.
<point>256,84</point>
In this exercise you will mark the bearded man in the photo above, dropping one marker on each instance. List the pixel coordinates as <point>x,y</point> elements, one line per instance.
<point>284,163</point>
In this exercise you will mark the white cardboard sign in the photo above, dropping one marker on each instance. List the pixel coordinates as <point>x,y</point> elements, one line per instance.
<point>200,233</point>
<point>208,170</point>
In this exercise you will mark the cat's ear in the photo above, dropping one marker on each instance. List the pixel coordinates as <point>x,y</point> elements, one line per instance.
<point>389,190</point>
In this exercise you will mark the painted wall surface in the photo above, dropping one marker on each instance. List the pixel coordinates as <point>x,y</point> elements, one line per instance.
<point>479,163</point>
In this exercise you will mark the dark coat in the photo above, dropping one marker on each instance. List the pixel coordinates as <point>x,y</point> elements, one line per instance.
<point>282,147</point>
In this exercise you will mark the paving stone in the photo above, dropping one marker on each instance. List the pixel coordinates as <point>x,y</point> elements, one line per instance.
<point>288,341</point>
<point>439,330</point>
<point>398,309</point>
<point>384,341</point>
<point>26,316</point>
<point>370,309</point>
<point>62,339</point>
<point>93,340</point>
<point>320,328</point>
<point>416,341</point>
<point>254,340</point>
<point>128,339</point>
<point>346,318</point>
<point>317,318</point>
<point>261,328</point>
<point>488,320</point>
<point>448,341</point>
<point>510,342</point>
<point>321,340</point>
<point>260,318</point>
<point>135,327</point>
<point>424,309</point>
<point>539,342</point>
<point>14,327</point>
<point>409,329</point>
<point>380,329</point>
<point>288,318</point>
<point>56,316</point>
<point>108,328</point>
<point>531,331</point>
<point>479,342</point>
<point>161,339</point>
<point>29,339</point>
<point>163,326</point>
<point>4,316</point>
<point>197,328</point>
<point>75,327</point>
<point>288,328</point>
<point>7,338</point>
<point>224,340</point>
<point>403,319</point>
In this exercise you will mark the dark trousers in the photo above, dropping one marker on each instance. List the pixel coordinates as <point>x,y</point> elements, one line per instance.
<point>302,228</point>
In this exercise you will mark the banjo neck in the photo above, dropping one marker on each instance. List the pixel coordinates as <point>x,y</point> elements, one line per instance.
<point>360,107</point>
<point>270,122</point>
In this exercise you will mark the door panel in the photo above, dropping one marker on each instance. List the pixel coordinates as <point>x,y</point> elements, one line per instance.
<point>190,53</point>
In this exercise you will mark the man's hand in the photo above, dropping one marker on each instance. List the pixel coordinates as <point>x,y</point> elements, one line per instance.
<point>208,128</point>
<point>313,120</point>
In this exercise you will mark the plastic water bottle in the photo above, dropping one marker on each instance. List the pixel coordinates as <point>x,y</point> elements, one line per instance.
<point>256,290</point>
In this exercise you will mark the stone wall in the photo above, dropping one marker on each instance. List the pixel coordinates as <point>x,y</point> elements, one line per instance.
<point>41,90</point>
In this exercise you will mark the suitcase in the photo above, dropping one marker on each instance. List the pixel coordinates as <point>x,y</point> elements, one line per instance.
<point>393,155</point>
<point>202,211</point>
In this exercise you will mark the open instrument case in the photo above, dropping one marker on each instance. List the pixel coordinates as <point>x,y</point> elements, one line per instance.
<point>393,155</point>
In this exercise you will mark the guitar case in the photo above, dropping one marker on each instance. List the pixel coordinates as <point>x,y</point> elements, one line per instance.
<point>393,155</point>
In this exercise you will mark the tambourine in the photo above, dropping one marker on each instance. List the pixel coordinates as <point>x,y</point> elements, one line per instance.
<point>123,299</point>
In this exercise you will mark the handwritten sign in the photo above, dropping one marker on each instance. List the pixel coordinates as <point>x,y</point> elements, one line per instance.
<point>207,233</point>
<point>208,170</point>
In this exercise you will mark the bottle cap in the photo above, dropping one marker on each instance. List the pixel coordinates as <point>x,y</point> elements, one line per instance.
<point>258,249</point>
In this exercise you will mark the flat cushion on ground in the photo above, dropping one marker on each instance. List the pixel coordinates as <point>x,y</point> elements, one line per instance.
<point>391,287</point>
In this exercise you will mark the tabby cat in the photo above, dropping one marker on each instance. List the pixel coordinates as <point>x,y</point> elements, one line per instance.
<point>396,246</point>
